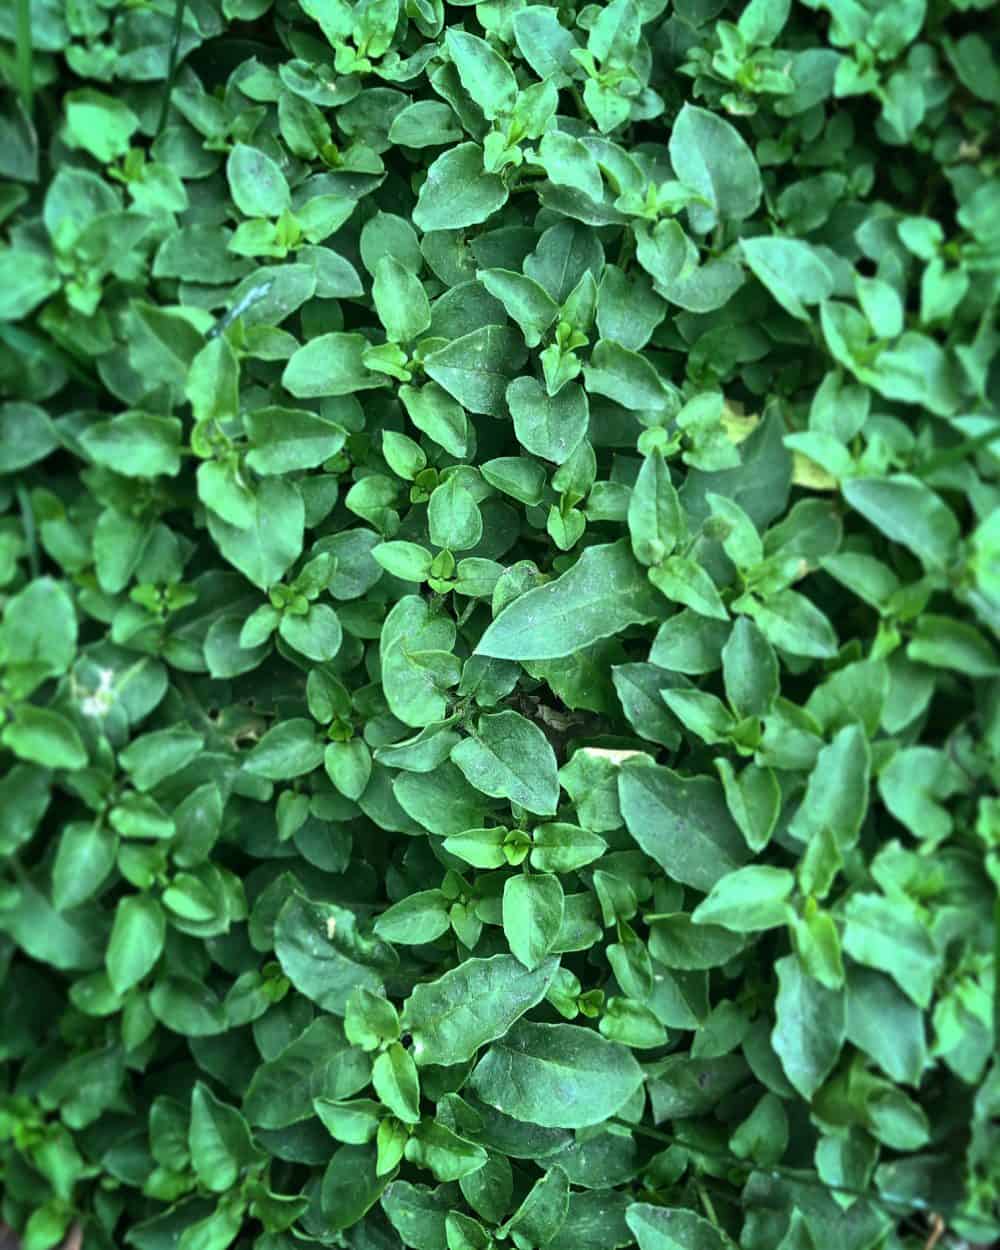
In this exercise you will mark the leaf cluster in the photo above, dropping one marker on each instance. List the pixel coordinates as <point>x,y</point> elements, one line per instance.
<point>499,596</point>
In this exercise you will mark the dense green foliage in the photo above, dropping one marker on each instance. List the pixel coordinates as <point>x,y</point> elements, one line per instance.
<point>500,567</point>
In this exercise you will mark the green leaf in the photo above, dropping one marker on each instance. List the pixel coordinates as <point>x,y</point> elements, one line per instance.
<point>84,861</point>
<point>453,516</point>
<point>485,75</point>
<point>400,300</point>
<point>256,183</point>
<point>683,580</point>
<point>219,1141</point>
<point>511,758</point>
<point>318,634</point>
<point>318,1064</point>
<point>136,942</point>
<point>748,900</point>
<point>749,670</point>
<point>457,192</point>
<point>99,124</point>
<point>532,916</point>
<point>324,955</point>
<point>790,270</point>
<point>27,279</point>
<point>886,1025</point>
<point>655,519</point>
<point>682,823</point>
<point>628,378</point>
<point>605,591</point>
<point>136,444</point>
<point>793,623</point>
<point>44,737</point>
<point>556,1075</point>
<point>418,918</point>
<point>330,364</point>
<point>673,1228</point>
<point>439,416</point>
<point>907,511</point>
<point>289,750</point>
<point>526,301</point>
<point>287,439</point>
<point>942,642</point>
<point>474,1003</point>
<point>836,797</point>
<point>394,1076</point>
<point>38,635</point>
<point>711,157</point>
<point>677,942</point>
<point>476,368</point>
<point>888,935</point>
<point>559,847</point>
<point>445,1154</point>
<point>810,1028</point>
<point>266,548</point>
<point>568,163</point>
<point>27,434</point>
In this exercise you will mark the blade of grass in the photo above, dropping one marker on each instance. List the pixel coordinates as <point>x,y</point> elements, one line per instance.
<point>180,7</point>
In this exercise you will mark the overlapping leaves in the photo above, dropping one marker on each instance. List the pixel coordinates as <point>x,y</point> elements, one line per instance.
<point>499,609</point>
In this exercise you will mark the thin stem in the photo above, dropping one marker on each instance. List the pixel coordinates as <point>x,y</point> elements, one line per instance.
<point>19,870</point>
<point>950,454</point>
<point>30,534</point>
<point>175,43</point>
<point>706,1202</point>
<point>25,57</point>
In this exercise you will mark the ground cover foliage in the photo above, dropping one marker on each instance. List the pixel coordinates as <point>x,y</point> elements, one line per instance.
<point>500,579</point>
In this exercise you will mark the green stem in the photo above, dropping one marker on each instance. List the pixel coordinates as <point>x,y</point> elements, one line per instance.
<point>19,870</point>
<point>706,1202</point>
<point>25,68</point>
<point>627,249</point>
<point>951,454</point>
<point>30,534</point>
<point>175,43</point>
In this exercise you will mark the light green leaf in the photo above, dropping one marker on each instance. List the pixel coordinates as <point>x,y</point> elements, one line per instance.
<point>510,758</point>
<point>605,591</point>
<point>457,191</point>
<point>811,1024</point>
<point>136,444</point>
<point>681,822</point>
<point>909,512</point>
<point>888,934</point>
<point>748,900</point>
<point>256,183</point>
<point>473,1004</point>
<point>790,270</point>
<point>710,156</point>
<point>674,1228</point>
<point>485,75</point>
<point>400,300</point>
<point>556,1075</point>
<point>330,364</point>
<point>532,916</point>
